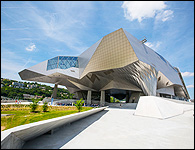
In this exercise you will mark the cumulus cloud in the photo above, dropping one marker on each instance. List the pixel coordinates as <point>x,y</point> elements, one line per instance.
<point>190,86</point>
<point>187,74</point>
<point>146,9</point>
<point>31,47</point>
<point>154,45</point>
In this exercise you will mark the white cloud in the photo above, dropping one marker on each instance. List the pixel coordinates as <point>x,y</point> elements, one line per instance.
<point>154,45</point>
<point>66,22</point>
<point>26,39</point>
<point>13,63</point>
<point>31,47</point>
<point>146,9</point>
<point>58,50</point>
<point>187,74</point>
<point>8,66</point>
<point>10,69</point>
<point>15,29</point>
<point>190,86</point>
<point>29,60</point>
<point>164,15</point>
<point>149,44</point>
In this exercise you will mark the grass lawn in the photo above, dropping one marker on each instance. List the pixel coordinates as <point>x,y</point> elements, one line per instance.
<point>22,114</point>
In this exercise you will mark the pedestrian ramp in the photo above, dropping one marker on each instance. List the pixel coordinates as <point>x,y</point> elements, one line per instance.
<point>157,107</point>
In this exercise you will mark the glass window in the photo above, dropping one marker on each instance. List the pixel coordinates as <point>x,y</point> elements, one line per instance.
<point>52,63</point>
<point>64,62</point>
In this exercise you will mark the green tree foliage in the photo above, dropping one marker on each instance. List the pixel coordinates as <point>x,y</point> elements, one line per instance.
<point>117,101</point>
<point>111,99</point>
<point>12,92</point>
<point>34,105</point>
<point>40,99</point>
<point>45,106</point>
<point>79,104</point>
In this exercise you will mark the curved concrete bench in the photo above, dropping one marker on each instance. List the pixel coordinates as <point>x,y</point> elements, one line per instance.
<point>15,138</point>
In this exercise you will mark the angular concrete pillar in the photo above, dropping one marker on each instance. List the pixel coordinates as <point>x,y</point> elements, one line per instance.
<point>102,98</point>
<point>89,97</point>
<point>54,94</point>
<point>135,97</point>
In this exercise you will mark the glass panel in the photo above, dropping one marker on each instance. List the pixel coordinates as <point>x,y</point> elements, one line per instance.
<point>66,62</point>
<point>52,63</point>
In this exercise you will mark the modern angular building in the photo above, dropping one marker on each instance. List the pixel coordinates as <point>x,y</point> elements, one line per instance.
<point>117,65</point>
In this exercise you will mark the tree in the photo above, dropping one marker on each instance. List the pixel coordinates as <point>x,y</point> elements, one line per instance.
<point>34,105</point>
<point>70,96</point>
<point>79,104</point>
<point>45,106</point>
<point>111,99</point>
<point>40,99</point>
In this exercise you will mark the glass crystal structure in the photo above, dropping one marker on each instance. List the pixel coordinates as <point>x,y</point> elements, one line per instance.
<point>62,62</point>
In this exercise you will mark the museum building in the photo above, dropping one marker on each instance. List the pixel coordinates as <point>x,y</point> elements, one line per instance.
<point>118,65</point>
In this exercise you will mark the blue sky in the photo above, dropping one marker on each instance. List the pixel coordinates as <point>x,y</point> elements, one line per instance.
<point>34,31</point>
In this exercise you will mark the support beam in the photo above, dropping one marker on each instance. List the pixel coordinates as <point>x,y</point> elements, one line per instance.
<point>102,98</point>
<point>89,97</point>
<point>54,94</point>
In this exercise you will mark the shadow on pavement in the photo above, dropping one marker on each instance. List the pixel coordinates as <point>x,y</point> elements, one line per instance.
<point>64,134</point>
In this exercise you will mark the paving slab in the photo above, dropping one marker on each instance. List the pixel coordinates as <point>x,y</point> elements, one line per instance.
<point>115,128</point>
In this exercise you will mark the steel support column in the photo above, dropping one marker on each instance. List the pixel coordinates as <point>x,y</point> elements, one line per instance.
<point>89,97</point>
<point>102,98</point>
<point>54,94</point>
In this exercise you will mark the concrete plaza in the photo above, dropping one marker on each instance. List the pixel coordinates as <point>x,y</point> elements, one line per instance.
<point>116,128</point>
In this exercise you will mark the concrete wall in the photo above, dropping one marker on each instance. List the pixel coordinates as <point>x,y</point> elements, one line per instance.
<point>15,138</point>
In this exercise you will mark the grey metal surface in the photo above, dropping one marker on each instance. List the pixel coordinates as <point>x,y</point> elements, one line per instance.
<point>85,57</point>
<point>144,70</point>
<point>149,56</point>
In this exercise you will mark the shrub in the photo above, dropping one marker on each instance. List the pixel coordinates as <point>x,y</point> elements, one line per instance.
<point>117,101</point>
<point>111,100</point>
<point>34,105</point>
<point>79,104</point>
<point>45,106</point>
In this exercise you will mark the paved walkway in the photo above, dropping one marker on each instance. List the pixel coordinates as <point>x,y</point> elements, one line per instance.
<point>117,128</point>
